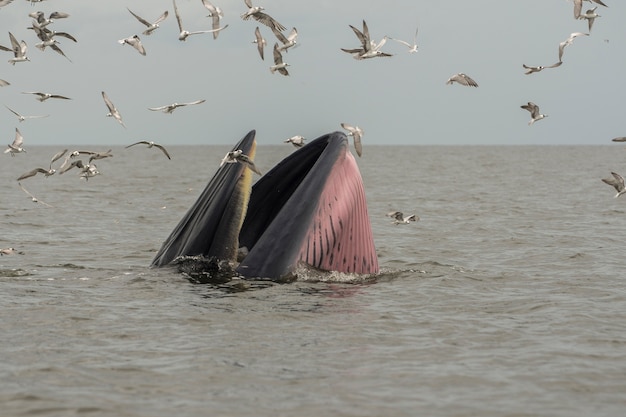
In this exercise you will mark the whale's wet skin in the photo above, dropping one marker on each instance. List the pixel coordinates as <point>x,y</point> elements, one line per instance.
<point>310,209</point>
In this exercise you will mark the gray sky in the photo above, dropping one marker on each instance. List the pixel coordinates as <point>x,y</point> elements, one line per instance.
<point>398,100</point>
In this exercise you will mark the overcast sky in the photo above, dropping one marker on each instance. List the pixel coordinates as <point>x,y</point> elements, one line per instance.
<point>398,100</point>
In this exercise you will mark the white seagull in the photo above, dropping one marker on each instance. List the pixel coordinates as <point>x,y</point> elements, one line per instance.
<point>534,112</point>
<point>45,96</point>
<point>530,70</point>
<point>369,48</point>
<point>260,42</point>
<point>356,133</point>
<point>462,79</point>
<point>617,182</point>
<point>578,6</point>
<point>18,48</point>
<point>288,41</point>
<point>297,141</point>
<point>112,110</point>
<point>256,12</point>
<point>184,34</point>
<point>16,146</point>
<point>171,107</point>
<point>10,251</point>
<point>151,27</point>
<point>150,145</point>
<point>412,47</point>
<point>234,157</point>
<point>215,13</point>
<point>399,218</point>
<point>590,15</point>
<point>32,197</point>
<point>21,117</point>
<point>279,64</point>
<point>135,42</point>
<point>568,42</point>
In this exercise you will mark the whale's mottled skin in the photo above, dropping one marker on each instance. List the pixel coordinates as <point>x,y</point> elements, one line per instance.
<point>310,209</point>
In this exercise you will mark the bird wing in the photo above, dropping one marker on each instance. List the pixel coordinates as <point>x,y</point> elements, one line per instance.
<point>19,139</point>
<point>141,19</point>
<point>15,45</point>
<point>32,173</point>
<point>578,5</point>
<point>55,96</point>
<point>57,156</point>
<point>278,58</point>
<point>158,108</point>
<point>13,111</point>
<point>178,19</point>
<point>191,103</point>
<point>163,149</point>
<point>145,142</point>
<point>108,102</point>
<point>619,180</point>
<point>260,42</point>
<point>558,64</point>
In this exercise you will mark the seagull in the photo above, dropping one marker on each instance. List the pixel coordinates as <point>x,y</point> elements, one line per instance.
<point>356,133</point>
<point>215,13</point>
<point>171,107</point>
<point>4,83</point>
<point>10,251</point>
<point>238,156</point>
<point>260,42</point>
<point>21,118</point>
<point>35,171</point>
<point>151,27</point>
<point>41,20</point>
<point>256,12</point>
<point>534,112</point>
<point>150,145</point>
<point>578,6</point>
<point>279,65</point>
<point>568,42</point>
<point>45,172</point>
<point>18,48</point>
<point>93,155</point>
<point>89,171</point>
<point>135,42</point>
<point>399,218</point>
<point>53,44</point>
<point>462,79</point>
<point>412,47</point>
<point>617,182</point>
<point>32,197</point>
<point>184,34</point>
<point>45,96</point>
<point>112,110</point>
<point>590,15</point>
<point>288,41</point>
<point>369,48</point>
<point>45,34</point>
<point>297,141</point>
<point>620,139</point>
<point>16,146</point>
<point>530,70</point>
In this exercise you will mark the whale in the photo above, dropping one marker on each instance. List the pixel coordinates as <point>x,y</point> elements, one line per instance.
<point>309,210</point>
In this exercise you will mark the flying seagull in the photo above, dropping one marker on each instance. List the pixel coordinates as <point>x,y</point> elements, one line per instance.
<point>135,42</point>
<point>399,218</point>
<point>21,118</point>
<point>590,15</point>
<point>369,48</point>
<point>617,182</point>
<point>45,172</point>
<point>288,41</point>
<point>184,34</point>
<point>171,107</point>
<point>256,12</point>
<point>238,156</point>
<point>18,48</point>
<point>16,146</point>
<point>150,145</point>
<point>45,96</point>
<point>32,197</point>
<point>412,47</point>
<point>112,110</point>
<point>279,64</point>
<point>297,141</point>
<point>534,112</point>
<point>215,13</point>
<point>151,27</point>
<point>260,41</point>
<point>578,6</point>
<point>462,79</point>
<point>530,70</point>
<point>568,42</point>
<point>356,133</point>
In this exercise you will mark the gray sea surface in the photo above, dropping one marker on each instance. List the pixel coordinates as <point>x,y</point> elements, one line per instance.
<point>507,298</point>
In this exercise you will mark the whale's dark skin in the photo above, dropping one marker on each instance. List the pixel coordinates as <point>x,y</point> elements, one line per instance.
<point>310,208</point>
